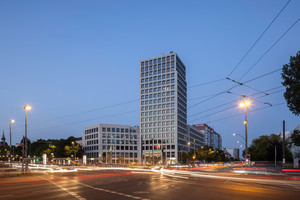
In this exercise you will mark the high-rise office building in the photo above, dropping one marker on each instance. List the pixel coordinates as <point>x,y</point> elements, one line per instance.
<point>163,108</point>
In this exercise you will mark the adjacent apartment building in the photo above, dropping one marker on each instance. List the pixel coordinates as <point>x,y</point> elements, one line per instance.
<point>110,143</point>
<point>211,137</point>
<point>195,138</point>
<point>234,153</point>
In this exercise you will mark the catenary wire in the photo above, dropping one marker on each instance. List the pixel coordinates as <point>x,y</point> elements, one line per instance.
<point>259,38</point>
<point>269,49</point>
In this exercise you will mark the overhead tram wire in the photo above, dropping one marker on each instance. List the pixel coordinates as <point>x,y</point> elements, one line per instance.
<point>212,108</point>
<point>217,94</point>
<point>266,91</point>
<point>214,113</point>
<point>87,120</point>
<point>246,55</point>
<point>258,38</point>
<point>242,113</point>
<point>206,83</point>
<point>263,75</point>
<point>195,98</point>
<point>88,111</point>
<point>270,48</point>
<point>229,107</point>
<point>239,81</point>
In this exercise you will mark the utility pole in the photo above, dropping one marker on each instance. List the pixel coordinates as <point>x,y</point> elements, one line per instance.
<point>283,143</point>
<point>23,154</point>
<point>26,145</point>
<point>152,152</point>
<point>275,154</point>
<point>10,150</point>
<point>246,131</point>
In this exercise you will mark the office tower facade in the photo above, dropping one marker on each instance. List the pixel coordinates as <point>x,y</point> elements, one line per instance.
<point>163,108</point>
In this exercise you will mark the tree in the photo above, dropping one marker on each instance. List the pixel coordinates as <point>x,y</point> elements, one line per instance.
<point>50,151</point>
<point>291,80</point>
<point>295,138</point>
<point>263,148</point>
<point>74,149</point>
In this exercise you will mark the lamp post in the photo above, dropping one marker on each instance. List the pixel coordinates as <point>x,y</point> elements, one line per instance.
<point>194,147</point>
<point>26,107</point>
<point>234,134</point>
<point>245,104</point>
<point>10,121</point>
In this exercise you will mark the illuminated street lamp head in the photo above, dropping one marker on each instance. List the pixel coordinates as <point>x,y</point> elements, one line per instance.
<point>12,121</point>
<point>27,107</point>
<point>233,134</point>
<point>245,103</point>
<point>237,141</point>
<point>189,143</point>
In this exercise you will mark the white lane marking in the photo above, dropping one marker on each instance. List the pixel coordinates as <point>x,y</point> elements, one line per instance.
<point>110,191</point>
<point>66,190</point>
<point>141,192</point>
<point>197,174</point>
<point>41,191</point>
<point>9,195</point>
<point>291,185</point>
<point>227,181</point>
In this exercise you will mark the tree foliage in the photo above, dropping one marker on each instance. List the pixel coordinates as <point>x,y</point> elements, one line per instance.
<point>295,138</point>
<point>207,154</point>
<point>291,80</point>
<point>263,148</point>
<point>57,147</point>
<point>73,149</point>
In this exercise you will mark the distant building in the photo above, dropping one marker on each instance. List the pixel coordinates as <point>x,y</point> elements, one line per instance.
<point>211,137</point>
<point>78,140</point>
<point>234,153</point>
<point>294,149</point>
<point>110,143</point>
<point>3,140</point>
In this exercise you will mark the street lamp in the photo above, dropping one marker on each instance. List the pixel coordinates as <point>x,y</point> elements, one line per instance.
<point>189,144</point>
<point>194,148</point>
<point>235,134</point>
<point>10,122</point>
<point>26,107</point>
<point>245,104</point>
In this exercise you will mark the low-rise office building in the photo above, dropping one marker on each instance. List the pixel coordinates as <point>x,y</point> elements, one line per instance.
<point>110,143</point>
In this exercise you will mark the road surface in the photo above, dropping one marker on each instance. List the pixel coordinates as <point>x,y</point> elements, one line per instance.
<point>125,184</point>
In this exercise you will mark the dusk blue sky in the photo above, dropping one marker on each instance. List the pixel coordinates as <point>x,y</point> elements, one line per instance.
<point>67,57</point>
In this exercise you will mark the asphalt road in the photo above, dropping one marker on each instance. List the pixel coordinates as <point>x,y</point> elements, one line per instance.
<point>111,184</point>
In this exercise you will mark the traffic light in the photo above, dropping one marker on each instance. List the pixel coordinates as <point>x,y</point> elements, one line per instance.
<point>247,161</point>
<point>36,159</point>
<point>194,157</point>
<point>163,148</point>
<point>155,147</point>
